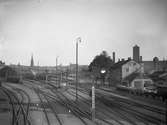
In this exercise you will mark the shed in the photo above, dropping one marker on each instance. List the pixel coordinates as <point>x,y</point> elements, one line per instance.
<point>141,82</point>
<point>9,74</point>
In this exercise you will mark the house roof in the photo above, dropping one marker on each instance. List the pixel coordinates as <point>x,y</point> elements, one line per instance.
<point>135,75</point>
<point>131,77</point>
<point>119,64</point>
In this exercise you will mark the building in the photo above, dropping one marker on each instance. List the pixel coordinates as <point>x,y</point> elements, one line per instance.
<point>9,74</point>
<point>136,53</point>
<point>122,69</point>
<point>154,65</point>
<point>136,80</point>
<point>149,66</point>
<point>141,82</point>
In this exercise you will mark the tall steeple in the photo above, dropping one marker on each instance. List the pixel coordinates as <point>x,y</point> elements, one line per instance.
<point>32,61</point>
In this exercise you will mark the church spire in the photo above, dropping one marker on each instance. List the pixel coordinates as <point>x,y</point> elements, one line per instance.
<point>32,61</point>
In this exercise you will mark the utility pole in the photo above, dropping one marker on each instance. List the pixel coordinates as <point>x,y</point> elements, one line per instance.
<point>77,71</point>
<point>77,40</point>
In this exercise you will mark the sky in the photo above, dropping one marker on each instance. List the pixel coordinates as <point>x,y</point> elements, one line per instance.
<point>49,29</point>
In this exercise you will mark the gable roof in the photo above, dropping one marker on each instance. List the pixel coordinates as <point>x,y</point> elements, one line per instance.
<point>131,77</point>
<point>119,64</point>
<point>136,75</point>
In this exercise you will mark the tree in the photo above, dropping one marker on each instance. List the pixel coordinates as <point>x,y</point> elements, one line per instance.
<point>102,61</point>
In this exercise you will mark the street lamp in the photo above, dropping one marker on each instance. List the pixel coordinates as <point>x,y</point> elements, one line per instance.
<point>103,71</point>
<point>77,40</point>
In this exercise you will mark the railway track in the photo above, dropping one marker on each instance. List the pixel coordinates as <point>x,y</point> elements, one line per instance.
<point>25,100</point>
<point>147,107</point>
<point>60,100</point>
<point>73,107</point>
<point>42,104</point>
<point>123,116</point>
<point>26,105</point>
<point>138,109</point>
<point>126,108</point>
<point>19,113</point>
<point>102,109</point>
<point>58,97</point>
<point>53,109</point>
<point>88,105</point>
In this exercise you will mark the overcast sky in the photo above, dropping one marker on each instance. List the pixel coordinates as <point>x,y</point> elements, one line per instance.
<point>49,28</point>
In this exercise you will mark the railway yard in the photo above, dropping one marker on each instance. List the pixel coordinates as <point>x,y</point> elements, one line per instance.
<point>83,62</point>
<point>43,103</point>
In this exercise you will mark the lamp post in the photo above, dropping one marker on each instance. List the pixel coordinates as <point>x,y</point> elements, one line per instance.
<point>103,71</point>
<point>77,40</point>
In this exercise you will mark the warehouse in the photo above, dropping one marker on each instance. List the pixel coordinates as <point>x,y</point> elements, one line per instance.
<point>9,74</point>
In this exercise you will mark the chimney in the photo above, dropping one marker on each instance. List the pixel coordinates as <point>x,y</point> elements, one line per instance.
<point>113,54</point>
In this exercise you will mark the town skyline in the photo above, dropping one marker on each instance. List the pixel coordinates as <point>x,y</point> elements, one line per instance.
<point>49,29</point>
<point>113,58</point>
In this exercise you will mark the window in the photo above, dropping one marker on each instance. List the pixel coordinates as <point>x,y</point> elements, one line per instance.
<point>127,69</point>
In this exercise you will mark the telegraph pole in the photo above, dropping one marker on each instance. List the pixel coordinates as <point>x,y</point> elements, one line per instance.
<point>77,71</point>
<point>77,40</point>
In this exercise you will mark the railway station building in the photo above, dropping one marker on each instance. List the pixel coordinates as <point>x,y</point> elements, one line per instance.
<point>122,69</point>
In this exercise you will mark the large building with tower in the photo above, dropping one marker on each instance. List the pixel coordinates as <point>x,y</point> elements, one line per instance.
<point>149,66</point>
<point>125,69</point>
